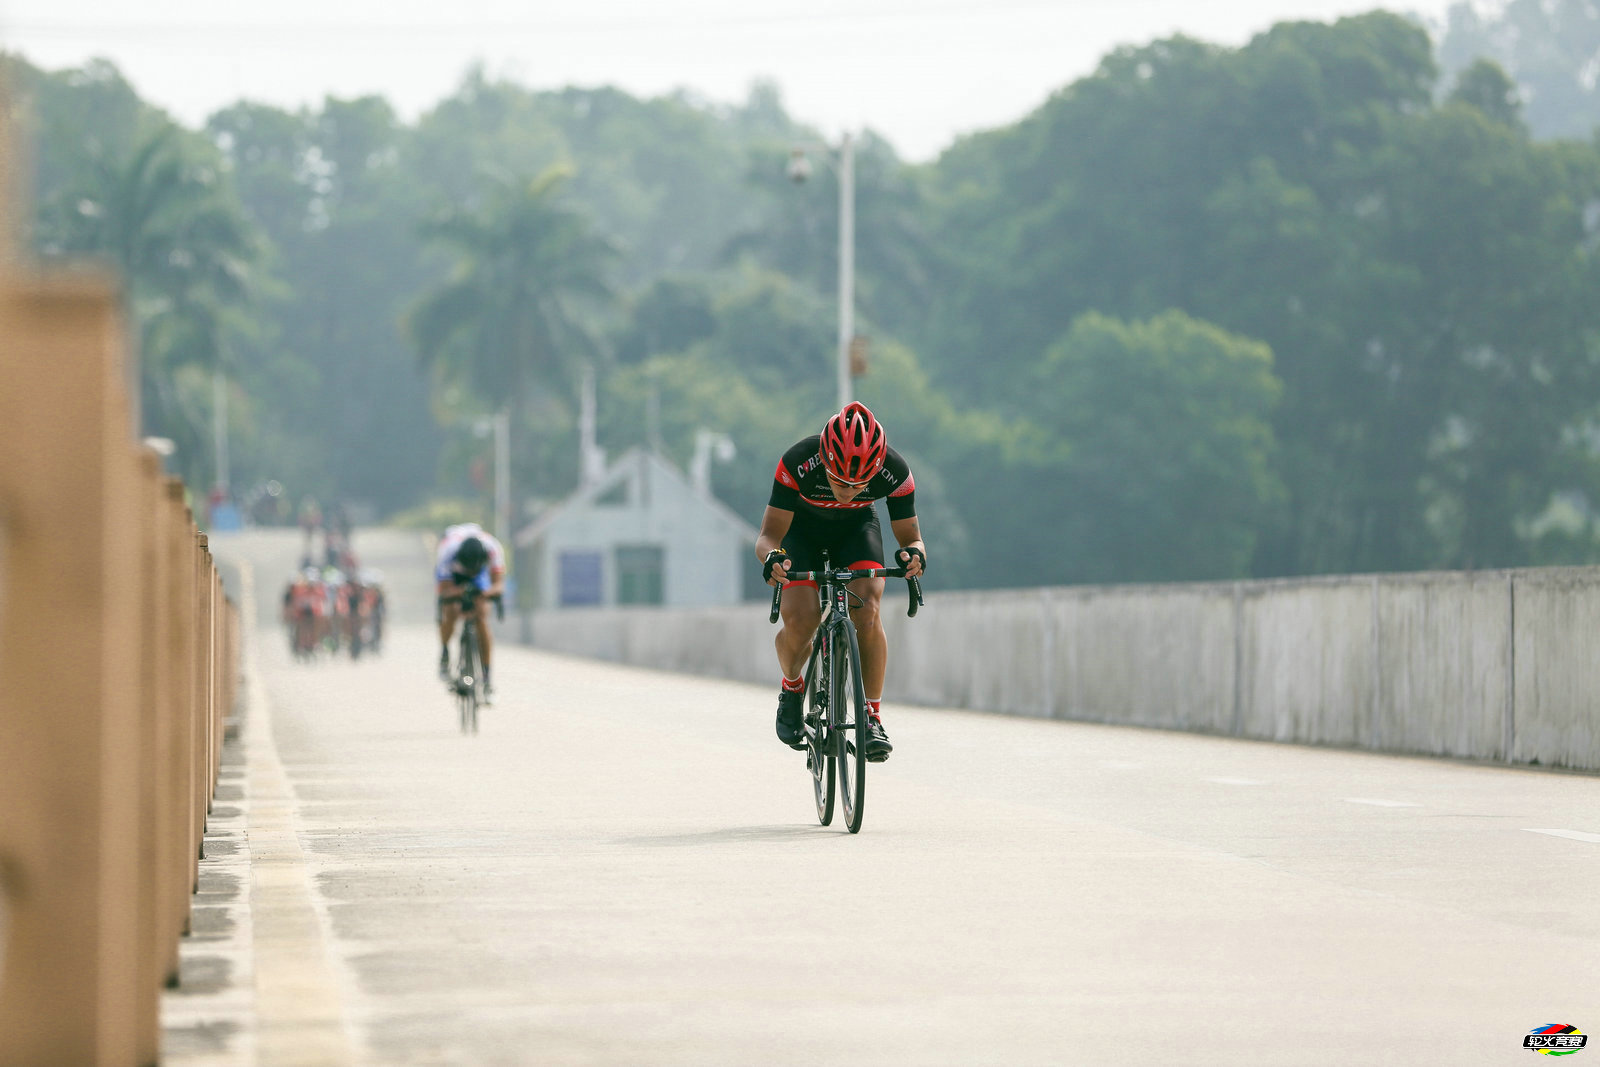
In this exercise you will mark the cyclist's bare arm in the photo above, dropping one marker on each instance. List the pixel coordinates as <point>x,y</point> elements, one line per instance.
<point>908,532</point>
<point>775,524</point>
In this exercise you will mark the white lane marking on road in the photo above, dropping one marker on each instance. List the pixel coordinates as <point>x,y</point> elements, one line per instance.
<point>1236,781</point>
<point>1381,803</point>
<point>1571,835</point>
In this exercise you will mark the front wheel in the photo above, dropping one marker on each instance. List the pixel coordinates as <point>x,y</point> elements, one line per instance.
<point>849,711</point>
<point>819,740</point>
<point>469,681</point>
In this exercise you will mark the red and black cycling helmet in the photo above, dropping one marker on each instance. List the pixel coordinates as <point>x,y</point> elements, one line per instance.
<point>854,444</point>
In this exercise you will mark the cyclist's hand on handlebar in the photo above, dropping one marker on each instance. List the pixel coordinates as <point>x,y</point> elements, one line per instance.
<point>913,560</point>
<point>775,569</point>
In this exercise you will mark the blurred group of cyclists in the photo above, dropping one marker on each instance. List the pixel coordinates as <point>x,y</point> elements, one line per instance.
<point>337,605</point>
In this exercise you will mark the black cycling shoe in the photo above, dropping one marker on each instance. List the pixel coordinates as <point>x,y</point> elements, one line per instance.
<point>790,708</point>
<point>878,746</point>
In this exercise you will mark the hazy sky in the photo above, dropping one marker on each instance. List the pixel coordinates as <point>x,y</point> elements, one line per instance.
<point>920,72</point>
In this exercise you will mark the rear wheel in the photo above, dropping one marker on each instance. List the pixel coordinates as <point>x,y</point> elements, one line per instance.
<point>819,741</point>
<point>849,712</point>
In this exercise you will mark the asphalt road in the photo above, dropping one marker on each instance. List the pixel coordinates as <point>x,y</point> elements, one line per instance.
<point>624,867</point>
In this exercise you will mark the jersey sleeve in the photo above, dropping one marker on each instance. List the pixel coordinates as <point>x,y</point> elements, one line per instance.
<point>786,479</point>
<point>785,489</point>
<point>902,499</point>
<point>497,554</point>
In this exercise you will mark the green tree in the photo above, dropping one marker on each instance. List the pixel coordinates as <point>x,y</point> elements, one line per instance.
<point>166,219</point>
<point>1164,441</point>
<point>517,314</point>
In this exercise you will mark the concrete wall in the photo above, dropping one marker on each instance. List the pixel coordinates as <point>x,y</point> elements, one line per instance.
<point>1498,665</point>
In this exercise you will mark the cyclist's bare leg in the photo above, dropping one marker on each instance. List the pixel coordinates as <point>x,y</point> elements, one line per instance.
<point>448,613</point>
<point>485,638</point>
<point>869,634</point>
<point>802,614</point>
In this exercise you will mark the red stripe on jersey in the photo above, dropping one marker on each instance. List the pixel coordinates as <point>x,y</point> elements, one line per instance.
<point>908,488</point>
<point>782,474</point>
<point>837,503</point>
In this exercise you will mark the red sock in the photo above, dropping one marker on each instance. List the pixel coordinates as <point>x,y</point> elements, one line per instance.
<point>794,685</point>
<point>872,708</point>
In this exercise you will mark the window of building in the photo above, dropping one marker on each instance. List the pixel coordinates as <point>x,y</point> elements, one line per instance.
<point>639,574</point>
<point>580,578</point>
<point>615,497</point>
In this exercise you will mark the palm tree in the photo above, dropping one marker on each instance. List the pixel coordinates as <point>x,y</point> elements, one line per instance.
<point>514,314</point>
<point>166,220</point>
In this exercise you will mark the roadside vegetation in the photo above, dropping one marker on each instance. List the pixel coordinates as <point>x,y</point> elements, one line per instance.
<point>1308,305</point>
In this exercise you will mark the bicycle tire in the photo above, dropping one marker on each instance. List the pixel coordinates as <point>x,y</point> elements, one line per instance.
<point>468,679</point>
<point>849,710</point>
<point>305,636</point>
<point>819,740</point>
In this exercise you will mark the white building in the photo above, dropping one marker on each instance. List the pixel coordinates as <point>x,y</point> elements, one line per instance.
<point>641,533</point>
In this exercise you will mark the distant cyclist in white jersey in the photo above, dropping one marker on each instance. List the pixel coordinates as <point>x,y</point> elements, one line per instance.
<point>468,556</point>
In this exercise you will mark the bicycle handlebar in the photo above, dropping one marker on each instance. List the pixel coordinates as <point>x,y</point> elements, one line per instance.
<point>844,575</point>
<point>466,598</point>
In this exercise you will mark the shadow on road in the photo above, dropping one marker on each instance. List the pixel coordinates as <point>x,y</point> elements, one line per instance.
<point>730,835</point>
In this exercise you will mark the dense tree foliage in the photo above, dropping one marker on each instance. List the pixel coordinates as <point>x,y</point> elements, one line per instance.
<point>1300,306</point>
<point>1424,275</point>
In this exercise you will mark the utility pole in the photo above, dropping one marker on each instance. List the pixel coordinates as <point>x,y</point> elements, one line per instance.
<point>847,262</point>
<point>502,476</point>
<point>219,425</point>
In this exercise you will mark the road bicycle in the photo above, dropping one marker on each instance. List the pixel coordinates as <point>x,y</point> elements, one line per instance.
<point>466,676</point>
<point>303,634</point>
<point>835,717</point>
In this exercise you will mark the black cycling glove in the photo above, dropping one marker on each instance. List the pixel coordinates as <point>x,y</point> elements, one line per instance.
<point>912,550</point>
<point>777,555</point>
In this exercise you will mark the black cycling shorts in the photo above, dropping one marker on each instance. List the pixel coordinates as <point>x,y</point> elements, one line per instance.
<point>858,545</point>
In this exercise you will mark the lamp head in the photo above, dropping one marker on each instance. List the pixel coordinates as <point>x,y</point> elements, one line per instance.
<point>799,166</point>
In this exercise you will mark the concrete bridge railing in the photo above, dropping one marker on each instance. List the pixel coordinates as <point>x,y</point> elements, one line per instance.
<point>1494,665</point>
<point>117,665</point>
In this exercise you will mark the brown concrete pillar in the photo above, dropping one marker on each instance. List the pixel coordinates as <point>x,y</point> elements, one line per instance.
<point>157,936</point>
<point>200,606</point>
<point>180,775</point>
<point>174,836</point>
<point>219,651</point>
<point>69,680</point>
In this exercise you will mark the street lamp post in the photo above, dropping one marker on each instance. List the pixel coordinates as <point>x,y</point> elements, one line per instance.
<point>502,476</point>
<point>498,427</point>
<point>799,171</point>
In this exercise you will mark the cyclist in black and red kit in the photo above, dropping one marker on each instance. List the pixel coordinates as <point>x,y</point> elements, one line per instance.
<point>822,496</point>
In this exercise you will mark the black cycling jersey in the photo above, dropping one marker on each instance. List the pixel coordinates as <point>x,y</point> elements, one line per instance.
<point>800,484</point>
